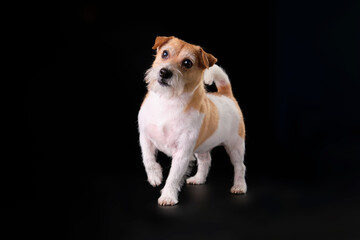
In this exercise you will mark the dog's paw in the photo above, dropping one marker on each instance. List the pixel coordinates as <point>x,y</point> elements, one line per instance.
<point>155,176</point>
<point>239,189</point>
<point>195,180</point>
<point>166,200</point>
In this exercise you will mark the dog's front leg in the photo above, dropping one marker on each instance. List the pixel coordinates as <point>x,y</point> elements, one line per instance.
<point>179,165</point>
<point>152,168</point>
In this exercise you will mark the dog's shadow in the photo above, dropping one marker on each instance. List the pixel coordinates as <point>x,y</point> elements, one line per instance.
<point>199,199</point>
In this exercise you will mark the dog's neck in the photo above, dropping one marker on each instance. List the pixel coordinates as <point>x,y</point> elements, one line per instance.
<point>197,98</point>
<point>186,100</point>
<point>178,101</point>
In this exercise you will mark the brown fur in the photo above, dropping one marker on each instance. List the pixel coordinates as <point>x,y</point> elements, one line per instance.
<point>207,60</point>
<point>242,126</point>
<point>241,129</point>
<point>203,104</point>
<point>193,76</point>
<point>159,41</point>
<point>226,90</point>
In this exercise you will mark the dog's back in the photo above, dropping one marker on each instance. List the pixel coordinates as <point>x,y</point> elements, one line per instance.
<point>217,75</point>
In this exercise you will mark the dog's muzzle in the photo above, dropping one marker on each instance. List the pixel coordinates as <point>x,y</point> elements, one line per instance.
<point>165,75</point>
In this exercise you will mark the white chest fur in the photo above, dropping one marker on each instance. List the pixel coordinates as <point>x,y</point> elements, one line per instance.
<point>164,122</point>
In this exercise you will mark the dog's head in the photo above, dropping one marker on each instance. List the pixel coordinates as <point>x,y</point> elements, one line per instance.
<point>178,66</point>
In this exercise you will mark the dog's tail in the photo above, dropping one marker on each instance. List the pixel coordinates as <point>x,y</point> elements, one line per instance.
<point>217,74</point>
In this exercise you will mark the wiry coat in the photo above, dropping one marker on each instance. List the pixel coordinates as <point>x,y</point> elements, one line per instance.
<point>181,119</point>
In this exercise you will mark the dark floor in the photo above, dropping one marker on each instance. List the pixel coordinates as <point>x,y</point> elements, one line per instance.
<point>109,205</point>
<point>268,211</point>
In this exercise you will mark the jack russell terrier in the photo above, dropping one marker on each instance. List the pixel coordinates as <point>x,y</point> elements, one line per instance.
<point>178,117</point>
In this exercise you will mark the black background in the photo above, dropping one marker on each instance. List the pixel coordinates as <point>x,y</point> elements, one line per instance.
<point>72,165</point>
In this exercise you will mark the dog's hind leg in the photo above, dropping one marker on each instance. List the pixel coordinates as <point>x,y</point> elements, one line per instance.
<point>204,162</point>
<point>236,150</point>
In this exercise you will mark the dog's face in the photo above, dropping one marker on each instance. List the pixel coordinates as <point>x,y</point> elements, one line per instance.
<point>178,67</point>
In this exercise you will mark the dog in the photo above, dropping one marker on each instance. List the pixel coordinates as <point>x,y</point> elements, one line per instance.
<point>181,119</point>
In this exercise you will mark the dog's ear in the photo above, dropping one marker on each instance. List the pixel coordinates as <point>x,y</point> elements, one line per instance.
<point>159,41</point>
<point>206,59</point>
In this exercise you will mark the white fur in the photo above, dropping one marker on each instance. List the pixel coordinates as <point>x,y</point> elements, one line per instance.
<point>226,134</point>
<point>162,120</point>
<point>229,120</point>
<point>217,74</point>
<point>176,84</point>
<point>164,126</point>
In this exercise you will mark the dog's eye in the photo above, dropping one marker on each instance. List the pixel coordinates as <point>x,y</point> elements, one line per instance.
<point>187,63</point>
<point>165,54</point>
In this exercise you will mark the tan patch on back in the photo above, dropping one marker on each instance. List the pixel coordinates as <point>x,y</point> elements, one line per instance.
<point>196,100</point>
<point>225,90</point>
<point>241,130</point>
<point>203,104</point>
<point>241,124</point>
<point>210,122</point>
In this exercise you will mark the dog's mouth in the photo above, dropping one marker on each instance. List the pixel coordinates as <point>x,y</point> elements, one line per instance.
<point>163,82</point>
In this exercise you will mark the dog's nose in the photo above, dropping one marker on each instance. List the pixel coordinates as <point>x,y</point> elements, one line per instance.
<point>165,73</point>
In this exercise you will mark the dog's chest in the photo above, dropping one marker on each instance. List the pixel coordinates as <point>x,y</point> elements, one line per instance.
<point>164,122</point>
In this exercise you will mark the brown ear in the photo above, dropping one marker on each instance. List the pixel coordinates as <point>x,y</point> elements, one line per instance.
<point>206,59</point>
<point>159,41</point>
